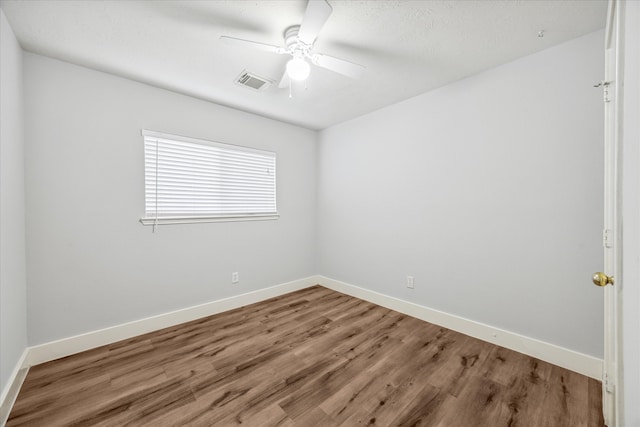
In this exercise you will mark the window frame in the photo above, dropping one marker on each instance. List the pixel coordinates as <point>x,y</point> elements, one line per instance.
<point>154,220</point>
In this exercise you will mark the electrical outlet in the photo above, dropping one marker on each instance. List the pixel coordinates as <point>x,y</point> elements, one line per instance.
<point>410,282</point>
<point>235,277</point>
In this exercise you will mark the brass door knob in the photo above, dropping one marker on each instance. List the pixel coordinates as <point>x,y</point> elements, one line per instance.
<point>601,279</point>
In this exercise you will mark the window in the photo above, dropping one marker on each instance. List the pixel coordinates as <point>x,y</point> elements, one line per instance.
<point>191,180</point>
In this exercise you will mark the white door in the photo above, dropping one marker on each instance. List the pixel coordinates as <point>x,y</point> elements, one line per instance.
<point>611,233</point>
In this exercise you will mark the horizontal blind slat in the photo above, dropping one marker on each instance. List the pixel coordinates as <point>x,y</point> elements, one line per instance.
<point>187,178</point>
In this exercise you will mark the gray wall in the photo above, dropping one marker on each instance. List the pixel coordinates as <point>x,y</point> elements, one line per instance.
<point>13,300</point>
<point>91,264</point>
<point>488,191</point>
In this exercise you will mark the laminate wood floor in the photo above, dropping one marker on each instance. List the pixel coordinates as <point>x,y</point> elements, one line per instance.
<point>309,358</point>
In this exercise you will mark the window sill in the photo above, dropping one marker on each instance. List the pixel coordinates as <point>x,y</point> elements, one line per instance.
<point>204,219</point>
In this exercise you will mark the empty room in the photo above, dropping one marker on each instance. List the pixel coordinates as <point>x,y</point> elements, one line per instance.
<point>320,213</point>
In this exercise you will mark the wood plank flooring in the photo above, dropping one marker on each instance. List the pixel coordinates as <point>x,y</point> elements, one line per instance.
<point>309,358</point>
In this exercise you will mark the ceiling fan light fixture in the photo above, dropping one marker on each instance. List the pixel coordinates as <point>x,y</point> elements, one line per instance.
<point>298,69</point>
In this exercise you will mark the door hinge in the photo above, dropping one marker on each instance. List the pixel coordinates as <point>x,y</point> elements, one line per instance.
<point>605,89</point>
<point>608,383</point>
<point>607,238</point>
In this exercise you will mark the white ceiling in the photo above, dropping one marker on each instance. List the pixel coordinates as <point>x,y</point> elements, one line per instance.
<point>408,47</point>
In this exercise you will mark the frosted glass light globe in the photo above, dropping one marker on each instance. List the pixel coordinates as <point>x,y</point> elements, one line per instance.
<point>298,69</point>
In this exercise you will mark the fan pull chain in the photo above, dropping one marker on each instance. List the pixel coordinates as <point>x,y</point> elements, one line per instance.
<point>290,96</point>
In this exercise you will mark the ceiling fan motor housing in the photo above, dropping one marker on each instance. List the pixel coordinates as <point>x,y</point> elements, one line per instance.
<point>294,44</point>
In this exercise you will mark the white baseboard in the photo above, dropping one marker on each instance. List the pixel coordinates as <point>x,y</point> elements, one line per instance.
<point>68,346</point>
<point>560,356</point>
<point>11,389</point>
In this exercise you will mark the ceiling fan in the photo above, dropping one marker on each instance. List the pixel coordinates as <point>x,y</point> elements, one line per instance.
<point>299,40</point>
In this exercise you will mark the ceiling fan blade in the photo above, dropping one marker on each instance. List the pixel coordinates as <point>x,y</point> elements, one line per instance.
<point>340,66</point>
<point>255,45</point>
<point>318,11</point>
<point>284,81</point>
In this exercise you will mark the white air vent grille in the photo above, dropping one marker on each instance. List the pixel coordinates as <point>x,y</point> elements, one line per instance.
<point>253,81</point>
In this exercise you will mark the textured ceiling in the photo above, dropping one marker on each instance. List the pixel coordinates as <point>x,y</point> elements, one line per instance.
<point>408,47</point>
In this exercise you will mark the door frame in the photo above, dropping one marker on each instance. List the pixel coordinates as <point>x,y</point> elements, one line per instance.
<point>612,235</point>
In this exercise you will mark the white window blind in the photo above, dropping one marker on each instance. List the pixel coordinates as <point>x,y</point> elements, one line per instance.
<point>191,180</point>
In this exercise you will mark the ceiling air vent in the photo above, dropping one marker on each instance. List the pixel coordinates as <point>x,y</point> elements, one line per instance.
<point>253,81</point>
